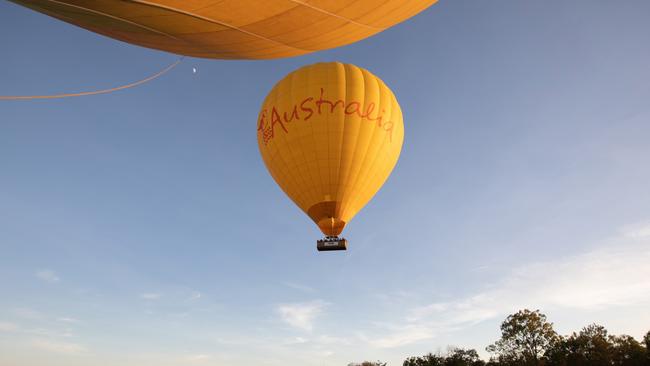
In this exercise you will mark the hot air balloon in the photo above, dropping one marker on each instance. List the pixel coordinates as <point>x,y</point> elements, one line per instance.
<point>330,134</point>
<point>233,29</point>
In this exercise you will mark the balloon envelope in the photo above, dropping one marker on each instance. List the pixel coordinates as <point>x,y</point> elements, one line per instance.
<point>233,29</point>
<point>330,135</point>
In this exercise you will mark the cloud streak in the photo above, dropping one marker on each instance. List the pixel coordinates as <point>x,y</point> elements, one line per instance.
<point>47,276</point>
<point>299,287</point>
<point>636,231</point>
<point>66,348</point>
<point>67,320</point>
<point>198,358</point>
<point>613,275</point>
<point>8,327</point>
<point>150,296</point>
<point>301,315</point>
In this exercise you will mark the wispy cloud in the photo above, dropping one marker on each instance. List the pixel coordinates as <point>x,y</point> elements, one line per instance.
<point>47,276</point>
<point>401,335</point>
<point>8,327</point>
<point>301,315</point>
<point>68,320</point>
<point>28,313</point>
<point>318,341</point>
<point>636,231</point>
<point>299,287</point>
<point>195,295</point>
<point>296,340</point>
<point>612,275</point>
<point>198,358</point>
<point>58,347</point>
<point>325,339</point>
<point>150,296</point>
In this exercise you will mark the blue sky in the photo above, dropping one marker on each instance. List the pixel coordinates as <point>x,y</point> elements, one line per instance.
<point>141,227</point>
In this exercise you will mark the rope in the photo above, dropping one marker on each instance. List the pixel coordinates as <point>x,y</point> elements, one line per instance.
<point>94,92</point>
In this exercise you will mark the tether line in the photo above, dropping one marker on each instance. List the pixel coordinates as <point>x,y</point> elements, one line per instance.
<point>94,92</point>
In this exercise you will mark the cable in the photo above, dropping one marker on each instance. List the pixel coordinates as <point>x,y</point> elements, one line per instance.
<point>102,91</point>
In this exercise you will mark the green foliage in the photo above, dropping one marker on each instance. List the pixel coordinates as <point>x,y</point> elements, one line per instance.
<point>525,337</point>
<point>626,351</point>
<point>589,347</point>
<point>528,339</point>
<point>368,363</point>
<point>463,357</point>
<point>593,346</point>
<point>646,341</point>
<point>426,360</point>
<point>454,357</point>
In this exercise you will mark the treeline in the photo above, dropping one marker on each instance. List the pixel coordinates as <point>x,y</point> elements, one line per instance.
<point>528,339</point>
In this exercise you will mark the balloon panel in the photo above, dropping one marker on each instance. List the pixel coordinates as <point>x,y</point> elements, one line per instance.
<point>233,29</point>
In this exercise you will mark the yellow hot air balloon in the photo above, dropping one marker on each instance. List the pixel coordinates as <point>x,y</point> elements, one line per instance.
<point>233,29</point>
<point>330,135</point>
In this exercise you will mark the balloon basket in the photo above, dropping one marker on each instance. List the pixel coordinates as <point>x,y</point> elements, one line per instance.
<point>331,243</point>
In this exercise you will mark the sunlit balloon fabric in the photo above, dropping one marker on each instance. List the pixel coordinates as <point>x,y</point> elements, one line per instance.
<point>330,135</point>
<point>233,29</point>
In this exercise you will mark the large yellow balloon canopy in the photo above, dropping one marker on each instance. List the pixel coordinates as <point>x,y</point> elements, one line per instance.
<point>330,135</point>
<point>233,29</point>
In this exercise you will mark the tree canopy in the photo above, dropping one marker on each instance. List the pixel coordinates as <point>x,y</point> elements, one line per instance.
<point>454,357</point>
<point>528,339</point>
<point>525,337</point>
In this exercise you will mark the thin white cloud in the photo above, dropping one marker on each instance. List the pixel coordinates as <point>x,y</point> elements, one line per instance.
<point>41,333</point>
<point>28,313</point>
<point>195,295</point>
<point>68,320</point>
<point>47,276</point>
<point>198,358</point>
<point>8,327</point>
<point>296,340</point>
<point>299,287</point>
<point>636,231</point>
<point>301,315</point>
<point>402,336</point>
<point>322,353</point>
<point>616,274</point>
<point>150,296</point>
<point>58,347</point>
<point>48,332</point>
<point>331,340</point>
<point>424,311</point>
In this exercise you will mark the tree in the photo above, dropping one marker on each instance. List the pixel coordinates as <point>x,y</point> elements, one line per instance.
<point>463,357</point>
<point>455,357</point>
<point>646,340</point>
<point>557,353</point>
<point>368,363</point>
<point>525,337</point>
<point>427,360</point>
<point>591,346</point>
<point>627,351</point>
